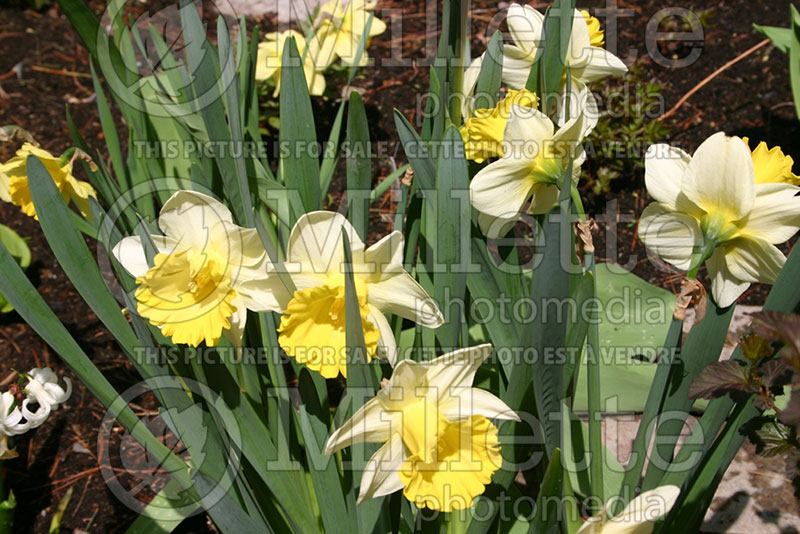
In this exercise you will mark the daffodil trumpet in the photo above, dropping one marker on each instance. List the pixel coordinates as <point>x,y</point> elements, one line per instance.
<point>440,445</point>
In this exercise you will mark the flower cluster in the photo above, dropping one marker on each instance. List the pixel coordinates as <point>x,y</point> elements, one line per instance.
<point>16,416</point>
<point>337,31</point>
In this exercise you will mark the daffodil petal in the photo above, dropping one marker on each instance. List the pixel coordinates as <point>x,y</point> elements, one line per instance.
<point>640,515</point>
<point>401,295</point>
<point>456,369</point>
<point>130,252</point>
<point>315,244</point>
<point>720,177</point>
<point>670,235</point>
<point>599,63</point>
<point>725,288</point>
<point>525,25</point>
<point>754,260</point>
<point>387,347</point>
<point>495,227</point>
<point>189,216</point>
<point>776,213</point>
<point>664,167</point>
<point>380,474</point>
<point>502,188</point>
<point>517,64</point>
<point>383,258</point>
<point>465,401</point>
<point>370,424</point>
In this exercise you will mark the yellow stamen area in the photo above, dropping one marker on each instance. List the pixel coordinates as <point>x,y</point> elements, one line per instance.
<point>597,37</point>
<point>188,295</point>
<point>483,133</point>
<point>467,455</point>
<point>313,331</point>
<point>772,165</point>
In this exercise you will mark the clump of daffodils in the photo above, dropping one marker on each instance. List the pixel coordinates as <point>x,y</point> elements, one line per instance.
<point>336,32</point>
<point>43,392</point>
<point>440,445</point>
<point>725,207</point>
<point>14,180</point>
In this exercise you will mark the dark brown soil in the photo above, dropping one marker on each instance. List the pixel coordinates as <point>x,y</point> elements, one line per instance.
<point>752,98</point>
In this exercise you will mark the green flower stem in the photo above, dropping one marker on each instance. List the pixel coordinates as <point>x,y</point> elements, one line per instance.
<point>700,257</point>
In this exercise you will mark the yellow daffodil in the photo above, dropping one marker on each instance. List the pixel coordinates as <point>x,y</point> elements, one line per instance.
<point>270,57</point>
<point>535,155</point>
<point>709,207</point>
<point>639,517</point>
<point>440,445</point>
<point>342,25</point>
<point>587,60</point>
<point>772,165</point>
<point>483,132</point>
<point>206,274</point>
<point>312,329</point>
<point>14,181</point>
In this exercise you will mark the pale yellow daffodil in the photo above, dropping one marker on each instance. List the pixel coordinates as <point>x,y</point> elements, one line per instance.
<point>709,207</point>
<point>342,25</point>
<point>587,60</point>
<point>270,57</point>
<point>312,329</point>
<point>483,132</point>
<point>535,156</point>
<point>14,181</point>
<point>439,443</point>
<point>206,274</point>
<point>639,517</point>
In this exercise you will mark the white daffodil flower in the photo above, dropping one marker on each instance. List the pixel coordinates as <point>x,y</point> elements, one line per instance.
<point>44,390</point>
<point>639,517</point>
<point>535,156</point>
<point>11,420</point>
<point>586,57</point>
<point>206,274</point>
<point>710,208</point>
<point>440,445</point>
<point>312,329</point>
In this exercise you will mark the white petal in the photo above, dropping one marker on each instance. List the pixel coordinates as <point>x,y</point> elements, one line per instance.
<point>456,369</point>
<point>243,245</point>
<point>315,244</point>
<point>579,51</point>
<point>525,26</point>
<point>189,216</point>
<point>238,320</point>
<point>502,188</point>
<point>384,257</point>
<point>664,167</point>
<point>721,177</point>
<point>545,197</point>
<point>725,288</point>
<point>776,213</point>
<point>465,401</point>
<point>370,424</point>
<point>387,347</point>
<point>471,74</point>
<point>266,293</point>
<point>670,235</point>
<point>401,295</point>
<point>517,65</point>
<point>644,510</point>
<point>599,63</point>
<point>527,129</point>
<point>380,474</point>
<point>754,260</point>
<point>130,253</point>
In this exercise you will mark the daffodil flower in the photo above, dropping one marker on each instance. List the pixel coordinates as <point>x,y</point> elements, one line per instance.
<point>639,517</point>
<point>14,181</point>
<point>44,390</point>
<point>206,274</point>
<point>312,329</point>
<point>342,25</point>
<point>710,208</point>
<point>439,443</point>
<point>535,155</point>
<point>270,56</point>
<point>586,57</point>
<point>483,132</point>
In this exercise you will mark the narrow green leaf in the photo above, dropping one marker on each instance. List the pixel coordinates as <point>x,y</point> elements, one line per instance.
<point>490,77</point>
<point>359,165</point>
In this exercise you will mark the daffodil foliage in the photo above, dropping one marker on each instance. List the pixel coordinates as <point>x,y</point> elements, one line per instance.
<point>331,364</point>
